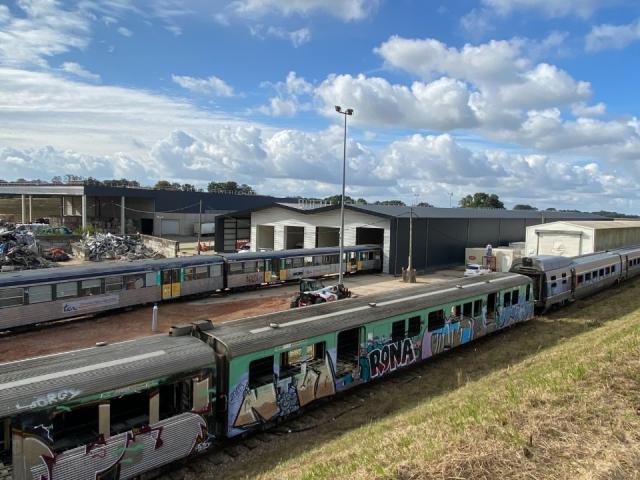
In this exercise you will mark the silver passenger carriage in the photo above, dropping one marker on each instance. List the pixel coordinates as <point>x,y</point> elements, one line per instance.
<point>552,278</point>
<point>34,296</point>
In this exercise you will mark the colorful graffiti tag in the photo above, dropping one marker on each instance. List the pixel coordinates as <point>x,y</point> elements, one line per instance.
<point>121,456</point>
<point>384,358</point>
<point>249,407</point>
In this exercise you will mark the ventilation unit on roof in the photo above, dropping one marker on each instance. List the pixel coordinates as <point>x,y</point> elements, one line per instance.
<point>180,330</point>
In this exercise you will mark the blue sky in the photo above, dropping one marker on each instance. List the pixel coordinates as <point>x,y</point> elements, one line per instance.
<point>535,100</point>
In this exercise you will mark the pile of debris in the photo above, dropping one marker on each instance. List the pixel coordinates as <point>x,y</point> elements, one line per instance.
<point>6,226</point>
<point>56,254</point>
<point>18,251</point>
<point>113,247</point>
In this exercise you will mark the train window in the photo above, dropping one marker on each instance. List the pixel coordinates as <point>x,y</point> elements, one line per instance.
<point>261,372</point>
<point>630,263</point>
<point>435,320</point>
<point>398,331</point>
<point>10,297</point>
<point>297,262</point>
<point>76,427</point>
<point>527,295</point>
<point>90,287</point>
<point>133,282</point>
<point>467,309</point>
<point>579,279</point>
<point>189,274</point>
<point>564,282</point>
<point>347,353</point>
<point>129,412</point>
<point>515,296</point>
<point>216,270</point>
<point>201,272</point>
<point>291,363</point>
<point>113,284</point>
<point>554,285</point>
<point>414,326</point>
<point>587,277</point>
<point>477,307</point>
<point>150,279</point>
<point>235,267</point>
<point>602,272</point>
<point>506,298</point>
<point>317,260</point>
<point>250,267</point>
<point>315,353</point>
<point>607,270</point>
<point>553,277</point>
<point>594,274</point>
<point>613,269</point>
<point>455,312</point>
<point>40,293</point>
<point>175,399</point>
<point>67,289</point>
<point>308,261</point>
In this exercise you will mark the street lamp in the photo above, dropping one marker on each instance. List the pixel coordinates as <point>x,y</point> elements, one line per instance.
<point>346,113</point>
<point>450,198</point>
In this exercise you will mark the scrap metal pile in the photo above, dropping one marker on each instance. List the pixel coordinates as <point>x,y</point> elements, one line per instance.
<point>113,247</point>
<point>18,251</point>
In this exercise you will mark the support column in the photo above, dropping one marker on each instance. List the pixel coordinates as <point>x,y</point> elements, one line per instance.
<point>122,219</point>
<point>62,210</point>
<point>84,212</point>
<point>30,209</point>
<point>24,209</point>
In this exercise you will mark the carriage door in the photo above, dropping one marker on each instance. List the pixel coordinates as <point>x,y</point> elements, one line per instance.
<point>170,283</point>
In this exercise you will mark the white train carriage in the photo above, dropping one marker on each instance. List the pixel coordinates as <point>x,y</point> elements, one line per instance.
<point>596,272</point>
<point>630,258</point>
<point>35,296</point>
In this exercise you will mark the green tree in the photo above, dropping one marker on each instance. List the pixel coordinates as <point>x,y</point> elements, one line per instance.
<point>187,187</point>
<point>336,199</point>
<point>521,206</point>
<point>481,200</point>
<point>398,203</point>
<point>164,185</point>
<point>424,204</point>
<point>230,186</point>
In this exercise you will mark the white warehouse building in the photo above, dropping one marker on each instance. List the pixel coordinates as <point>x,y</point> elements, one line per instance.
<point>579,237</point>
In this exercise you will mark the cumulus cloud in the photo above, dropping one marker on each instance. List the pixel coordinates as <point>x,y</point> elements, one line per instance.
<point>581,109</point>
<point>125,32</point>
<point>296,37</point>
<point>293,95</point>
<point>209,86</point>
<point>79,71</point>
<point>606,36</point>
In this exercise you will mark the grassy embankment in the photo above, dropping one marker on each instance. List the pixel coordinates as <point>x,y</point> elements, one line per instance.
<point>558,397</point>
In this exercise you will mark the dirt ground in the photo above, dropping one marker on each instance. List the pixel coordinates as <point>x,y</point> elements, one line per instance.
<point>127,325</point>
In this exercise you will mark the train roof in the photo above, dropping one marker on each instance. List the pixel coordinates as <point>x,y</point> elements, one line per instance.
<point>297,252</point>
<point>594,257</point>
<point>44,382</point>
<point>26,277</point>
<point>545,263</point>
<point>249,335</point>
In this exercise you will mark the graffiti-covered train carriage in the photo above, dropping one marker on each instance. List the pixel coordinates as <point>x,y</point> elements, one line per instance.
<point>115,411</point>
<point>36,296</point>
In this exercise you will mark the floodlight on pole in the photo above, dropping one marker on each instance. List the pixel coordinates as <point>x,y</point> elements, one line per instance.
<point>346,113</point>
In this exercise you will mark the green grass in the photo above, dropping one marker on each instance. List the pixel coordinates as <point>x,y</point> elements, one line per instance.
<point>558,397</point>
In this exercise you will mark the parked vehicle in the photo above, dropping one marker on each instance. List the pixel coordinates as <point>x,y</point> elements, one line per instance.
<point>312,291</point>
<point>474,269</point>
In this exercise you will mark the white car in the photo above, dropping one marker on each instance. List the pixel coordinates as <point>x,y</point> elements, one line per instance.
<point>474,269</point>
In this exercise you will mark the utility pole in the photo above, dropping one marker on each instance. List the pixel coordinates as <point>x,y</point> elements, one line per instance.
<point>410,274</point>
<point>199,226</point>
<point>346,113</point>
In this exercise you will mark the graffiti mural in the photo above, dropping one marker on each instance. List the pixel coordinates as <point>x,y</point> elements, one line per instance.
<point>121,456</point>
<point>514,314</point>
<point>250,407</point>
<point>387,357</point>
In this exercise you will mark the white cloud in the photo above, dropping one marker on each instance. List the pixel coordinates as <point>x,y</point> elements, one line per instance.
<point>296,37</point>
<point>604,37</point>
<point>78,70</point>
<point>550,8</point>
<point>293,95</point>
<point>348,10</point>
<point>40,108</point>
<point>442,104</point>
<point>210,86</point>
<point>125,32</point>
<point>581,109</point>
<point>43,30</point>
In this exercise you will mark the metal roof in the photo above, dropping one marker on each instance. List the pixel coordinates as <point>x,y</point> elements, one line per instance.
<point>397,211</point>
<point>43,382</point>
<point>545,263</point>
<point>25,277</point>
<point>594,257</point>
<point>297,252</point>
<point>249,335</point>
<point>601,225</point>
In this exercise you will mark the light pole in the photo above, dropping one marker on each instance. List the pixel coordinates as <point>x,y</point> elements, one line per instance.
<point>346,113</point>
<point>450,198</point>
<point>411,278</point>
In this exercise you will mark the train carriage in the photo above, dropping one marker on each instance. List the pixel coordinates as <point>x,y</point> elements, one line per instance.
<point>595,272</point>
<point>107,412</point>
<point>33,296</point>
<point>273,365</point>
<point>630,258</point>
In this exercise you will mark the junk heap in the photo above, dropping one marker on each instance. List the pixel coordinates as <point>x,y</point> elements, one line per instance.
<point>113,247</point>
<point>18,251</point>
